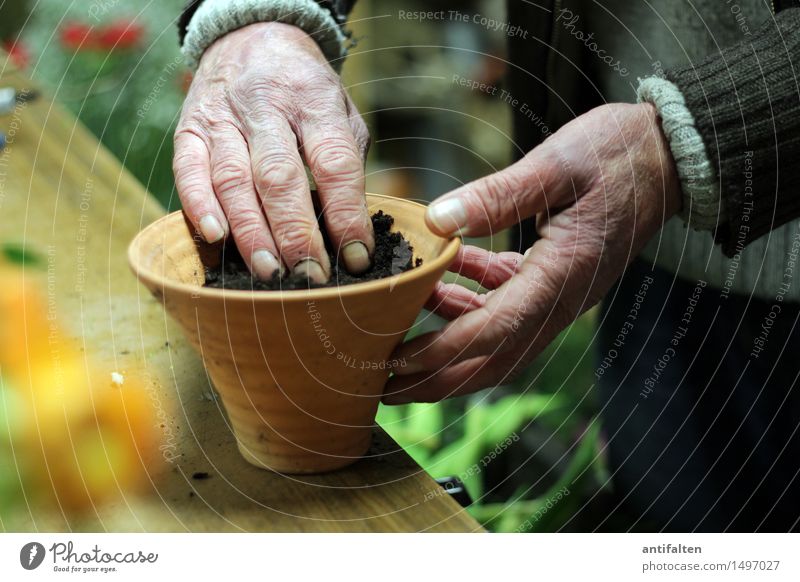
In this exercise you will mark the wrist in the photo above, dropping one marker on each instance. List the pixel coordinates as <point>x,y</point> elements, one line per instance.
<point>267,35</point>
<point>666,166</point>
<point>701,204</point>
<point>215,19</point>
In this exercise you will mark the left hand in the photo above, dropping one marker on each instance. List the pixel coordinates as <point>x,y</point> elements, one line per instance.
<point>601,187</point>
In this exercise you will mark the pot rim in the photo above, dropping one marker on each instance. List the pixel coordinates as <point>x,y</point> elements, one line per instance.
<point>148,276</point>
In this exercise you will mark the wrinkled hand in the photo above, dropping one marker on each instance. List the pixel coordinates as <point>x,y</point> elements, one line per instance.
<point>264,100</point>
<point>600,187</point>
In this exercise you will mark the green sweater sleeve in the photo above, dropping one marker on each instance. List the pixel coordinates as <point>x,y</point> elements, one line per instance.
<point>745,101</point>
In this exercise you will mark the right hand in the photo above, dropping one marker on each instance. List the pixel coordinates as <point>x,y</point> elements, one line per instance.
<point>263,101</point>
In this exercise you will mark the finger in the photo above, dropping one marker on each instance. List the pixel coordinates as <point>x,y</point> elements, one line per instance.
<point>451,301</point>
<point>192,170</point>
<point>500,200</point>
<point>282,186</point>
<point>462,378</point>
<point>512,314</point>
<point>470,335</point>
<point>335,162</point>
<point>485,267</point>
<point>488,269</point>
<point>233,183</point>
<point>456,380</point>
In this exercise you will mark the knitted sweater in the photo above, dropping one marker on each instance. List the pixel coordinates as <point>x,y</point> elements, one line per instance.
<point>730,109</point>
<point>716,55</point>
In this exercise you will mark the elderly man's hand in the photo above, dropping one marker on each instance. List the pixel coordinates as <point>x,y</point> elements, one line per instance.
<point>601,187</point>
<point>265,100</point>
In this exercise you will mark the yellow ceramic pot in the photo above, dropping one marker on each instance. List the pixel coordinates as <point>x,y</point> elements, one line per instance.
<point>300,373</point>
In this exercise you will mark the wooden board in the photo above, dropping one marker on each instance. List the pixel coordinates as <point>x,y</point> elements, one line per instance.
<point>64,195</point>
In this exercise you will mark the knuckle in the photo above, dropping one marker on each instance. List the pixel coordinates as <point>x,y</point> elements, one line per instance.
<point>186,165</point>
<point>230,176</point>
<point>195,203</point>
<point>183,161</point>
<point>246,226</point>
<point>185,168</point>
<point>204,117</point>
<point>191,193</point>
<point>336,162</point>
<point>189,183</point>
<point>278,173</point>
<point>507,262</point>
<point>182,133</point>
<point>245,220</point>
<point>185,135</point>
<point>317,104</point>
<point>506,323</point>
<point>294,237</point>
<point>343,214</point>
<point>498,192</point>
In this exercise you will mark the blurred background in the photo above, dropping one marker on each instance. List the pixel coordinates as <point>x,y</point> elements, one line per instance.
<point>529,453</point>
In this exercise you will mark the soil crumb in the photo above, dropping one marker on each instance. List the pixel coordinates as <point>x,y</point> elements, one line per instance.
<point>393,255</point>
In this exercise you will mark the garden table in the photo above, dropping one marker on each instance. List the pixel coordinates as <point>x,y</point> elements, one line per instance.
<point>64,195</point>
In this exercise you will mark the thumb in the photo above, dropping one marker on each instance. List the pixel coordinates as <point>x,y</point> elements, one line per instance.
<point>499,200</point>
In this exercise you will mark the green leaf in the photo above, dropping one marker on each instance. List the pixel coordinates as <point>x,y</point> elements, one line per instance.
<point>425,423</point>
<point>20,255</point>
<point>512,413</point>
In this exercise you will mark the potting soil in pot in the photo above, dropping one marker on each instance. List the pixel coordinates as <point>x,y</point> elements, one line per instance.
<point>393,255</point>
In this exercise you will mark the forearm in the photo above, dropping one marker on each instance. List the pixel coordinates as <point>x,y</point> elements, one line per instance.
<point>745,103</point>
<point>203,21</point>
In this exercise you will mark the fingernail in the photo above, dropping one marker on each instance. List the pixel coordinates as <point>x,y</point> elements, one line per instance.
<point>449,216</point>
<point>528,252</point>
<point>310,269</point>
<point>264,264</point>
<point>211,229</point>
<point>356,257</point>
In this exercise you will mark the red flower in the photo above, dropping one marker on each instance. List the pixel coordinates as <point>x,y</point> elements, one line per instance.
<point>119,35</point>
<point>18,53</point>
<point>122,34</point>
<point>75,35</point>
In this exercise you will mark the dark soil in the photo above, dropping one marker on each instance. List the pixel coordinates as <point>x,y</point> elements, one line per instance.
<point>393,255</point>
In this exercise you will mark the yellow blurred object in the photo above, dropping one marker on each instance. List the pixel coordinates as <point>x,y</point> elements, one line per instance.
<point>92,440</point>
<point>79,438</point>
<point>24,328</point>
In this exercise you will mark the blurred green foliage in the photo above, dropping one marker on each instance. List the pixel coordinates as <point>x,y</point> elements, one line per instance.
<point>131,96</point>
<point>541,431</point>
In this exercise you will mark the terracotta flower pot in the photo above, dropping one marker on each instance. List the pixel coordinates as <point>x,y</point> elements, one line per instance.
<point>300,373</point>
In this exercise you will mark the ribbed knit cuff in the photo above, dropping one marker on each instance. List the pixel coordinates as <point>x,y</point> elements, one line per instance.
<point>215,18</point>
<point>746,106</point>
<point>701,200</point>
